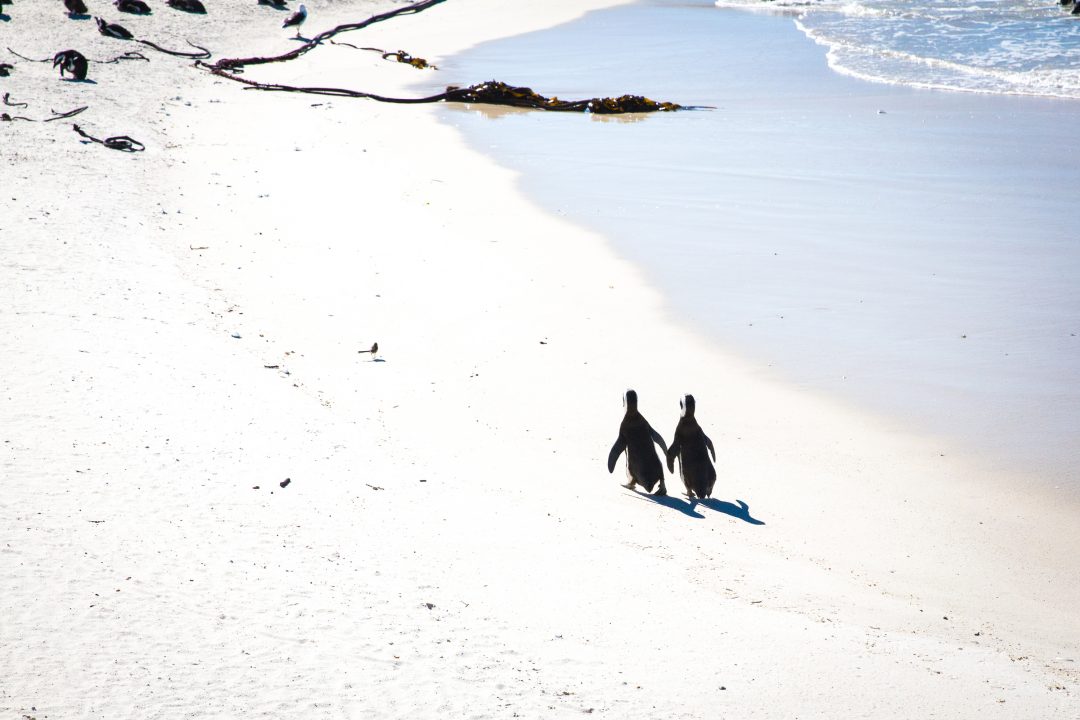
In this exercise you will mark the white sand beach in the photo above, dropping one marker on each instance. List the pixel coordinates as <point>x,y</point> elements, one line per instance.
<point>182,330</point>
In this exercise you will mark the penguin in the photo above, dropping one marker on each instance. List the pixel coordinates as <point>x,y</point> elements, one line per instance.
<point>636,438</point>
<point>191,6</point>
<point>113,30</point>
<point>72,61</point>
<point>75,8</point>
<point>134,7</point>
<point>296,19</point>
<point>5,69</point>
<point>374,350</point>
<point>692,446</point>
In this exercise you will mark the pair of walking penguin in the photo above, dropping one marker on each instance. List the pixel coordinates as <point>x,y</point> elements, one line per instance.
<point>691,445</point>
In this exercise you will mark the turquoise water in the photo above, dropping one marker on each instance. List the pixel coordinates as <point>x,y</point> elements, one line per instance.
<point>911,251</point>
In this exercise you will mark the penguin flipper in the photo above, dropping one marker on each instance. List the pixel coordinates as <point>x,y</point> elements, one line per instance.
<point>616,451</point>
<point>671,453</point>
<point>708,444</point>
<point>659,440</point>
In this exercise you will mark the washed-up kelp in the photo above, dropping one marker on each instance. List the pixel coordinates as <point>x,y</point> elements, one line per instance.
<point>491,93</point>
<point>56,115</point>
<point>499,93</point>
<point>236,65</point>
<point>399,55</point>
<point>118,142</point>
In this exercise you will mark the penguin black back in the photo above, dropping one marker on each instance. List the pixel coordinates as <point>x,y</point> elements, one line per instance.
<point>191,6</point>
<point>75,8</point>
<point>134,7</point>
<point>113,30</point>
<point>692,446</point>
<point>636,438</point>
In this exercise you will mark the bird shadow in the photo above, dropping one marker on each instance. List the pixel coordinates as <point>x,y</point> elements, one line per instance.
<point>5,18</point>
<point>78,16</point>
<point>87,81</point>
<point>668,501</point>
<point>300,38</point>
<point>740,511</point>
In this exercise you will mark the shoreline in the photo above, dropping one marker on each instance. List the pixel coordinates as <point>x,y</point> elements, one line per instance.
<point>891,284</point>
<point>450,541</point>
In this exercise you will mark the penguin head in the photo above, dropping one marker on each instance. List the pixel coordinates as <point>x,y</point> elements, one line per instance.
<point>630,399</point>
<point>686,405</point>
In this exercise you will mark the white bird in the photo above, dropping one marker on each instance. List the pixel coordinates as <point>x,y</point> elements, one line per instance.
<point>296,19</point>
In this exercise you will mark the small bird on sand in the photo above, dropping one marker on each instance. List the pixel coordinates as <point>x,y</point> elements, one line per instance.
<point>296,19</point>
<point>374,349</point>
<point>135,7</point>
<point>75,7</point>
<point>113,30</point>
<point>5,69</point>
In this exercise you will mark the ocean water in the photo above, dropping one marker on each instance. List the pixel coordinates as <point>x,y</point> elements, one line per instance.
<point>1025,47</point>
<point>1013,46</point>
<point>914,252</point>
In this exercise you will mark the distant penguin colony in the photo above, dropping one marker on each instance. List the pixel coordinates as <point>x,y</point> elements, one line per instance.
<point>690,445</point>
<point>71,61</point>
<point>636,438</point>
<point>296,19</point>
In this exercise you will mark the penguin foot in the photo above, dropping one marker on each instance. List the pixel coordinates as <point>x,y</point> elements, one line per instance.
<point>661,490</point>
<point>630,485</point>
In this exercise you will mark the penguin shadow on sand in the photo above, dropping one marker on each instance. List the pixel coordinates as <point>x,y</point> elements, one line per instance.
<point>4,17</point>
<point>738,510</point>
<point>686,507</point>
<point>689,506</point>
